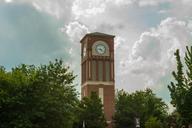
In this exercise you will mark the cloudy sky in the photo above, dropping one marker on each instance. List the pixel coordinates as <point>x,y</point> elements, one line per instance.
<point>147,34</point>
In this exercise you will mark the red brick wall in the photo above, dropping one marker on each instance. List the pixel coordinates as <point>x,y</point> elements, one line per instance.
<point>108,97</point>
<point>109,92</point>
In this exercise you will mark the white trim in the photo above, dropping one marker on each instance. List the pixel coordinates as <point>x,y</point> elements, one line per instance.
<point>89,69</point>
<point>101,95</point>
<point>97,83</point>
<point>112,70</point>
<point>109,121</point>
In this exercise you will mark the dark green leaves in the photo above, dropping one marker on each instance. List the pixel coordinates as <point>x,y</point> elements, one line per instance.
<point>181,88</point>
<point>141,104</point>
<point>91,112</point>
<point>37,97</point>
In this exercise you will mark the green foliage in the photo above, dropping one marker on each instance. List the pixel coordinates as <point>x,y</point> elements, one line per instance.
<point>124,114</point>
<point>153,122</point>
<point>141,104</point>
<point>37,97</point>
<point>173,120</point>
<point>91,112</point>
<point>181,88</point>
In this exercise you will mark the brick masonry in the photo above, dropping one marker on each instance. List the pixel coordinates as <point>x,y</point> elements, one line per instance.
<point>90,83</point>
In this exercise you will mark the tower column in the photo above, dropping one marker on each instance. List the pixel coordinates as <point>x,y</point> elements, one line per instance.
<point>97,69</point>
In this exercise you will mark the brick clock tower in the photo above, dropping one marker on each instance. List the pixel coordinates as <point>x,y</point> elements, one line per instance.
<point>97,70</point>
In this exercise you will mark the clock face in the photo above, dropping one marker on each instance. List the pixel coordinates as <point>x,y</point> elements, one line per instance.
<point>100,49</point>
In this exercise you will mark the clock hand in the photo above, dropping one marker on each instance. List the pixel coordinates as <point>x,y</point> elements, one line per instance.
<point>101,50</point>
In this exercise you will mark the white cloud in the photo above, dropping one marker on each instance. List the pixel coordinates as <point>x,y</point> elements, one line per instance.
<point>152,55</point>
<point>187,2</point>
<point>122,2</point>
<point>87,8</point>
<point>163,11</point>
<point>8,1</point>
<point>152,2</point>
<point>75,31</point>
<point>118,41</point>
<point>144,45</point>
<point>57,8</point>
<point>181,9</point>
<point>147,41</point>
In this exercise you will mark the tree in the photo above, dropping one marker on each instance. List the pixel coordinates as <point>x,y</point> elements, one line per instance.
<point>153,122</point>
<point>91,113</point>
<point>173,120</point>
<point>141,104</point>
<point>124,113</point>
<point>181,88</point>
<point>37,97</point>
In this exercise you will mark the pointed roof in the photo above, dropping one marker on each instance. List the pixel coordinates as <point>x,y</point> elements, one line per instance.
<point>97,34</point>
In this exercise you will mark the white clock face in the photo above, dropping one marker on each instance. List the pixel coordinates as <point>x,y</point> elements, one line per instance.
<point>100,49</point>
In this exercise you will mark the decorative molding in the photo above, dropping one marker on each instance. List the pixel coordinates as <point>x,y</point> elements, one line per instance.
<point>108,121</point>
<point>98,83</point>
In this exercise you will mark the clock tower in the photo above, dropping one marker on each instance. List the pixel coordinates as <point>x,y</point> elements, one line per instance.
<point>97,70</point>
